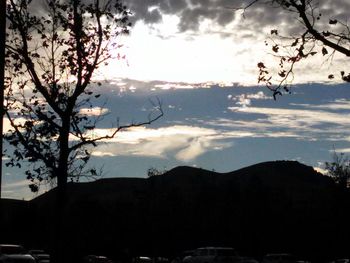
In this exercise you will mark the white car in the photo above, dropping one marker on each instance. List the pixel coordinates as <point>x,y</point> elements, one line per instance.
<point>213,255</point>
<point>14,254</point>
<point>279,258</point>
<point>40,256</point>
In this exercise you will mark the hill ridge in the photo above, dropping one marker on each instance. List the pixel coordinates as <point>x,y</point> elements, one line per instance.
<point>270,206</point>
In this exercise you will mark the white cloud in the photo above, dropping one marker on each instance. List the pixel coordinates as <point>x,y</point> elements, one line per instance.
<point>167,86</point>
<point>297,118</point>
<point>339,104</point>
<point>20,189</point>
<point>341,150</point>
<point>95,111</point>
<point>311,123</point>
<point>102,154</point>
<point>245,100</point>
<point>16,189</point>
<point>7,124</point>
<point>258,96</point>
<point>137,134</point>
<point>198,146</point>
<point>195,148</point>
<point>320,170</point>
<point>15,184</point>
<point>182,142</point>
<point>185,143</point>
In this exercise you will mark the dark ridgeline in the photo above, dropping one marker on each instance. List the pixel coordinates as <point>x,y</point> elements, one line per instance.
<point>280,206</point>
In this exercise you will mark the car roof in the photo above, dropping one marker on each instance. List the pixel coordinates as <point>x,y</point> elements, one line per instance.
<point>9,245</point>
<point>223,248</point>
<point>279,255</point>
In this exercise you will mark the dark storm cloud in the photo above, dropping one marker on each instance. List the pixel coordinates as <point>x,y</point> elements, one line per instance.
<point>192,12</point>
<point>336,9</point>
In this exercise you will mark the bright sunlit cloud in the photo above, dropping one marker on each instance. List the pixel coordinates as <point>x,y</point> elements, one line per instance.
<point>341,150</point>
<point>245,100</point>
<point>7,124</point>
<point>161,53</point>
<point>94,111</point>
<point>320,170</point>
<point>212,53</point>
<point>184,142</point>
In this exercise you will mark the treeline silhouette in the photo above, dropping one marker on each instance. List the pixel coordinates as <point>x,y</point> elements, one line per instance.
<point>281,206</point>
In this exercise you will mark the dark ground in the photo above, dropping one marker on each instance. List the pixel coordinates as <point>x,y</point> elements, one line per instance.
<point>269,207</point>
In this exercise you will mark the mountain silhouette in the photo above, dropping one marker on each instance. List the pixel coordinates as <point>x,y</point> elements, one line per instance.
<point>280,206</point>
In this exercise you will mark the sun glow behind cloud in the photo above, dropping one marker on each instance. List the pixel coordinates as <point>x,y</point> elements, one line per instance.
<point>161,53</point>
<point>213,53</point>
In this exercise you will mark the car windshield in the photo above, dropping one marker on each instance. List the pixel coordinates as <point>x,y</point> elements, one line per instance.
<point>9,250</point>
<point>37,251</point>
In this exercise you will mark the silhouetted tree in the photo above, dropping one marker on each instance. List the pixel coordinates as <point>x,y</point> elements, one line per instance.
<point>152,171</point>
<point>318,35</point>
<point>339,169</point>
<point>52,53</point>
<point>51,57</point>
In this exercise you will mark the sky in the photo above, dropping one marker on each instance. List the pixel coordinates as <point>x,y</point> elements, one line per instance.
<point>205,40</point>
<point>199,57</point>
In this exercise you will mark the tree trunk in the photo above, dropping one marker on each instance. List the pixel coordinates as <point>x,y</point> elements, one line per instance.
<point>59,229</point>
<point>2,73</point>
<point>61,194</point>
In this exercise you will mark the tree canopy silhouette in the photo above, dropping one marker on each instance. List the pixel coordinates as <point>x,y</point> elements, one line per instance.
<point>52,54</point>
<point>339,169</point>
<point>319,35</point>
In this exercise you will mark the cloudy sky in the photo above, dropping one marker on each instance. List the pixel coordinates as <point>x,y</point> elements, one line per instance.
<point>205,40</point>
<point>199,57</point>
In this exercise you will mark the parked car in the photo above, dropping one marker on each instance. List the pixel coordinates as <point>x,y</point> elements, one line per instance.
<point>97,259</point>
<point>179,258</point>
<point>14,254</point>
<point>40,255</point>
<point>341,260</point>
<point>247,260</point>
<point>142,259</point>
<point>279,258</point>
<point>213,255</point>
